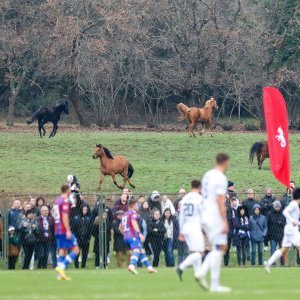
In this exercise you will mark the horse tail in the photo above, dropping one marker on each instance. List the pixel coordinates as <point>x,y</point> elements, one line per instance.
<point>130,170</point>
<point>34,116</point>
<point>182,109</point>
<point>256,148</point>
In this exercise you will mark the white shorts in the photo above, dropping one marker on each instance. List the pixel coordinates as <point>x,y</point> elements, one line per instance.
<point>215,235</point>
<point>291,238</point>
<point>195,241</point>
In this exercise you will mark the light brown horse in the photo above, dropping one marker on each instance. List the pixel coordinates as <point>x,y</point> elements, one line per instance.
<point>112,166</point>
<point>183,109</point>
<point>201,115</point>
<point>261,150</point>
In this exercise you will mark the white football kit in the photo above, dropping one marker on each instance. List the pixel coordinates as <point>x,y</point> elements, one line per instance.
<point>214,183</point>
<point>291,232</point>
<point>190,221</point>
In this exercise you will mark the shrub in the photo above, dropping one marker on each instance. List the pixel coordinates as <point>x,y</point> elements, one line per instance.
<point>227,127</point>
<point>251,127</point>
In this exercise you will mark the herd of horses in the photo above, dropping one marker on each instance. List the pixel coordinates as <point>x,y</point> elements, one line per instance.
<point>119,165</point>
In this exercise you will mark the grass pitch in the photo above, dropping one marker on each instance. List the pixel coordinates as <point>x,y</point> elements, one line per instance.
<point>162,161</point>
<point>247,284</point>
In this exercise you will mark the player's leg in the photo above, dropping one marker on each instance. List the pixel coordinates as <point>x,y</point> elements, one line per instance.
<point>71,256</point>
<point>145,261</point>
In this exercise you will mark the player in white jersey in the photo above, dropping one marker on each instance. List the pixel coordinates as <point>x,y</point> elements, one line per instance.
<point>191,230</point>
<point>214,188</point>
<point>291,230</point>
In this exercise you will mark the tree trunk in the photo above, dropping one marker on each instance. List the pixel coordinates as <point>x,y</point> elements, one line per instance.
<point>75,99</point>
<point>11,110</point>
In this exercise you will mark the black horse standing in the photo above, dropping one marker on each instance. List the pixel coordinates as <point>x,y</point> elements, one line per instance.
<point>46,114</point>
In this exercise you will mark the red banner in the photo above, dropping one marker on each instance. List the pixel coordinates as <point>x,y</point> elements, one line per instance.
<point>276,117</point>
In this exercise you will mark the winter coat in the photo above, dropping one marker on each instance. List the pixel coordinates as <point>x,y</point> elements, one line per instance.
<point>249,203</point>
<point>40,229</point>
<point>266,204</point>
<point>231,214</point>
<point>286,199</point>
<point>168,204</point>
<point>28,233</point>
<point>13,216</point>
<point>156,231</point>
<point>258,227</point>
<point>82,228</point>
<point>119,244</point>
<point>276,222</point>
<point>154,204</point>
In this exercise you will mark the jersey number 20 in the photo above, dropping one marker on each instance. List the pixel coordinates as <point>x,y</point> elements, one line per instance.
<point>188,209</point>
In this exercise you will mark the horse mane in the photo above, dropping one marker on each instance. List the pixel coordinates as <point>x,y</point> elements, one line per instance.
<point>106,151</point>
<point>207,103</point>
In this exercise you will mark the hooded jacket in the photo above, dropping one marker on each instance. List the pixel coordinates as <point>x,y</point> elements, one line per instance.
<point>154,203</point>
<point>258,226</point>
<point>276,222</point>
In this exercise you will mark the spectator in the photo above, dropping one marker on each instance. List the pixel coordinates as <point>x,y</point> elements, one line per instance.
<point>167,203</point>
<point>182,247</point>
<point>13,248</point>
<point>27,228</point>
<point>266,202</point>
<point>154,201</point>
<point>145,212</point>
<point>34,208</point>
<point>156,233</point>
<point>250,202</point>
<point>231,218</point>
<point>14,213</point>
<point>231,190</point>
<point>119,245</point>
<point>288,196</point>
<point>122,204</point>
<point>171,237</point>
<point>82,228</point>
<point>77,203</point>
<point>124,191</point>
<point>258,232</point>
<point>181,194</point>
<point>276,223</point>
<point>107,217</point>
<point>69,181</point>
<point>45,236</point>
<point>242,234</point>
<point>40,201</point>
<point>140,201</point>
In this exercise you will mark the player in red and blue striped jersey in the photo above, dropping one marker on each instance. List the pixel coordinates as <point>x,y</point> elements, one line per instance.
<point>66,241</point>
<point>133,238</point>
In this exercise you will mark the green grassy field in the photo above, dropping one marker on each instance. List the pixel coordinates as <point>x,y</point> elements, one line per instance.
<point>247,284</point>
<point>162,161</point>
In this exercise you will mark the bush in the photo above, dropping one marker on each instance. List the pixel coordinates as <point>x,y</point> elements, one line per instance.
<point>227,127</point>
<point>251,127</point>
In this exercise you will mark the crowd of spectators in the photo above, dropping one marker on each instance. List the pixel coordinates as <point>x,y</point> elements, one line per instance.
<point>255,225</point>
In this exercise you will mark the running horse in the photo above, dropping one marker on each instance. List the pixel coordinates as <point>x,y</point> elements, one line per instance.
<point>46,114</point>
<point>112,166</point>
<point>201,115</point>
<point>262,152</point>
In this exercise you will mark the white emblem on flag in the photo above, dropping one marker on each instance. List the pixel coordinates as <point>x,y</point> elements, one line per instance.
<point>280,137</point>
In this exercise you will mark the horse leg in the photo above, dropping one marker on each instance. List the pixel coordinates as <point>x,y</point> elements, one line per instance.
<point>100,181</point>
<point>40,128</point>
<point>42,125</point>
<point>202,131</point>
<point>53,130</point>
<point>209,128</point>
<point>258,160</point>
<point>191,129</point>
<point>261,162</point>
<point>115,182</point>
<point>127,179</point>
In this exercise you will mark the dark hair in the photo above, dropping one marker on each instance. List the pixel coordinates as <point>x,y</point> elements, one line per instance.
<point>221,158</point>
<point>132,201</point>
<point>38,199</point>
<point>64,188</point>
<point>171,217</point>
<point>28,212</point>
<point>196,184</point>
<point>296,194</point>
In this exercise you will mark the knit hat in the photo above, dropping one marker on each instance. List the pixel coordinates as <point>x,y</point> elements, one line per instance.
<point>277,204</point>
<point>256,206</point>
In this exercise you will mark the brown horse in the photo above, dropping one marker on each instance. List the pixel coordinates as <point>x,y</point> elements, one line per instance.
<point>183,109</point>
<point>201,115</point>
<point>112,166</point>
<point>262,152</point>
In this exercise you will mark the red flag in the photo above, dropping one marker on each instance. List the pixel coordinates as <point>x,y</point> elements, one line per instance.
<point>276,117</point>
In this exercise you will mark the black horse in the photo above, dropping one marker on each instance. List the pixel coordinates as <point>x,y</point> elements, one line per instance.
<point>45,115</point>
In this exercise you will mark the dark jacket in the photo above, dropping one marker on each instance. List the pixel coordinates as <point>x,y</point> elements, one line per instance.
<point>242,227</point>
<point>28,233</point>
<point>40,232</point>
<point>82,227</point>
<point>77,209</point>
<point>266,204</point>
<point>249,203</point>
<point>154,204</point>
<point>258,226</point>
<point>231,214</point>
<point>286,199</point>
<point>13,216</point>
<point>119,244</point>
<point>276,222</point>
<point>120,206</point>
<point>156,231</point>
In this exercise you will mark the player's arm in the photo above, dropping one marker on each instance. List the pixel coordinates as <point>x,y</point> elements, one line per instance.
<point>222,210</point>
<point>136,228</point>
<point>288,216</point>
<point>66,221</point>
<point>181,223</point>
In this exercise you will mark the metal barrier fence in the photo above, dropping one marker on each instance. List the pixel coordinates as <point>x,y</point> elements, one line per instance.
<point>95,219</point>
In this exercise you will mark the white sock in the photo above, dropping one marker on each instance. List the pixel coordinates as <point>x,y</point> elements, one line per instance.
<point>215,268</point>
<point>276,255</point>
<point>205,266</point>
<point>189,261</point>
<point>197,265</point>
<point>61,265</point>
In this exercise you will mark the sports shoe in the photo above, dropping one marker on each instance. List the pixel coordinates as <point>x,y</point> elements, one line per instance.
<point>220,289</point>
<point>151,270</point>
<point>202,282</point>
<point>62,274</point>
<point>179,273</point>
<point>267,267</point>
<point>132,269</point>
